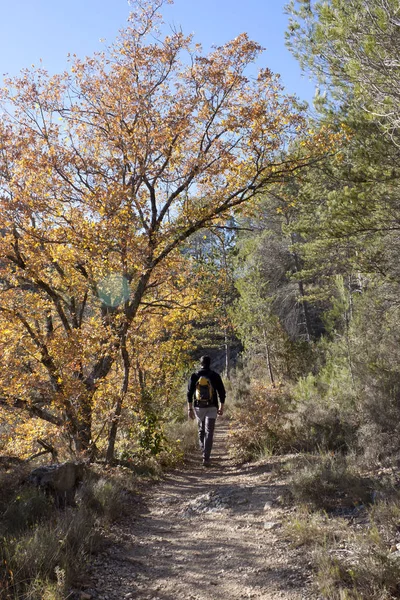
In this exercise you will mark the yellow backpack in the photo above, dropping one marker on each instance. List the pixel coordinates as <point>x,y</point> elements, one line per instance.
<point>204,391</point>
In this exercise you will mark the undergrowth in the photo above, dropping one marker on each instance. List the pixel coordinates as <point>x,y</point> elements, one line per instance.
<point>353,543</point>
<point>43,549</point>
<point>259,424</point>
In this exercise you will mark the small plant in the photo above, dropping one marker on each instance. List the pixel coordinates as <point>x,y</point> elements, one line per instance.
<point>363,569</point>
<point>313,529</point>
<point>48,556</point>
<point>29,506</point>
<point>352,561</point>
<point>103,497</point>
<point>151,435</point>
<point>182,435</point>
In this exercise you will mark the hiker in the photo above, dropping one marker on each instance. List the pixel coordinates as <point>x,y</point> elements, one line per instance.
<point>206,388</point>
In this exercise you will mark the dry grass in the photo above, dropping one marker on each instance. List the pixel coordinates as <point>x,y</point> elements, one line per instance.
<point>326,482</point>
<point>183,435</point>
<point>52,552</point>
<point>314,529</point>
<point>43,549</point>
<point>357,557</point>
<point>258,424</point>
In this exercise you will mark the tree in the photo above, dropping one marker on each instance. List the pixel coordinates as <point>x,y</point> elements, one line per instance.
<point>271,315</point>
<point>350,207</point>
<point>353,47</point>
<point>105,172</point>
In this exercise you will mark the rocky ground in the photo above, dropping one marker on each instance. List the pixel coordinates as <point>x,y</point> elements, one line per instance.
<point>205,534</point>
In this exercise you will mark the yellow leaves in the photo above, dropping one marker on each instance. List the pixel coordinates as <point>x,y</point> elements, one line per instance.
<point>23,442</point>
<point>138,162</point>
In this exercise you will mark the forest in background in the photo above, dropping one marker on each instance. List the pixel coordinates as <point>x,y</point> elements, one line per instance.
<point>157,204</point>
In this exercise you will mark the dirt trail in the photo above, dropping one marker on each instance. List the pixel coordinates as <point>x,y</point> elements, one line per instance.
<point>204,534</point>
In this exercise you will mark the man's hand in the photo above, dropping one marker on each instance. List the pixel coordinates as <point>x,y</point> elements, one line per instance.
<point>191,412</point>
<point>221,410</point>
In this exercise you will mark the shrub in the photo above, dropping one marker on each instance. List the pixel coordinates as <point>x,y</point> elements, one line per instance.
<point>10,484</point>
<point>238,387</point>
<point>376,366</point>
<point>325,416</point>
<point>259,424</point>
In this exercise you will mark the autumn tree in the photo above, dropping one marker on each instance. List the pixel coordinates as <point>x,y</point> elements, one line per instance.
<point>105,171</point>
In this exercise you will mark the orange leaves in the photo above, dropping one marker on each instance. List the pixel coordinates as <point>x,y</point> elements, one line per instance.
<point>105,172</point>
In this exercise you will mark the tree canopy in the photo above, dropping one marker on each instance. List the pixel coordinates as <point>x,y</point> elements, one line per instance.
<point>105,171</point>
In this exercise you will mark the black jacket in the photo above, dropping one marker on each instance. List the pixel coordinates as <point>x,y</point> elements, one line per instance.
<point>216,382</point>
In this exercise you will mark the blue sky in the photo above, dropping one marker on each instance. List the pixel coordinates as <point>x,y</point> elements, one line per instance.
<point>49,29</point>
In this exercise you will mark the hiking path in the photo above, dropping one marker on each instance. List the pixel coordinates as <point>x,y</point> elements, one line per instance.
<point>205,534</point>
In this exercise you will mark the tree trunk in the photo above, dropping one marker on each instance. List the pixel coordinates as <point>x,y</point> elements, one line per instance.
<point>227,354</point>
<point>304,304</point>
<point>268,357</point>
<point>82,434</point>
<point>118,409</point>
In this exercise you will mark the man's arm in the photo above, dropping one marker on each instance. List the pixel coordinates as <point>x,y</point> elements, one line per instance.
<point>190,392</point>
<point>221,393</point>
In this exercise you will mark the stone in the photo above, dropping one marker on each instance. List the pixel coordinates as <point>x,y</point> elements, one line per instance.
<point>61,481</point>
<point>268,525</point>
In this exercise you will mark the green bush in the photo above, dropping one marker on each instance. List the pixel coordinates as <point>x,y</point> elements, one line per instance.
<point>325,416</point>
<point>375,351</point>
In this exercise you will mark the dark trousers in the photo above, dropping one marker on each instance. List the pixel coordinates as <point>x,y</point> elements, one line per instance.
<point>206,434</point>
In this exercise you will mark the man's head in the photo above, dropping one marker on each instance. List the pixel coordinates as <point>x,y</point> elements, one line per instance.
<point>205,362</point>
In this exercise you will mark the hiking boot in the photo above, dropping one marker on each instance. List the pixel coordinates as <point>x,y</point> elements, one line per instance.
<point>206,462</point>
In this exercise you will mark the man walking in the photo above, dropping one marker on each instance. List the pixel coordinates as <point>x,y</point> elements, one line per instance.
<point>206,388</point>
